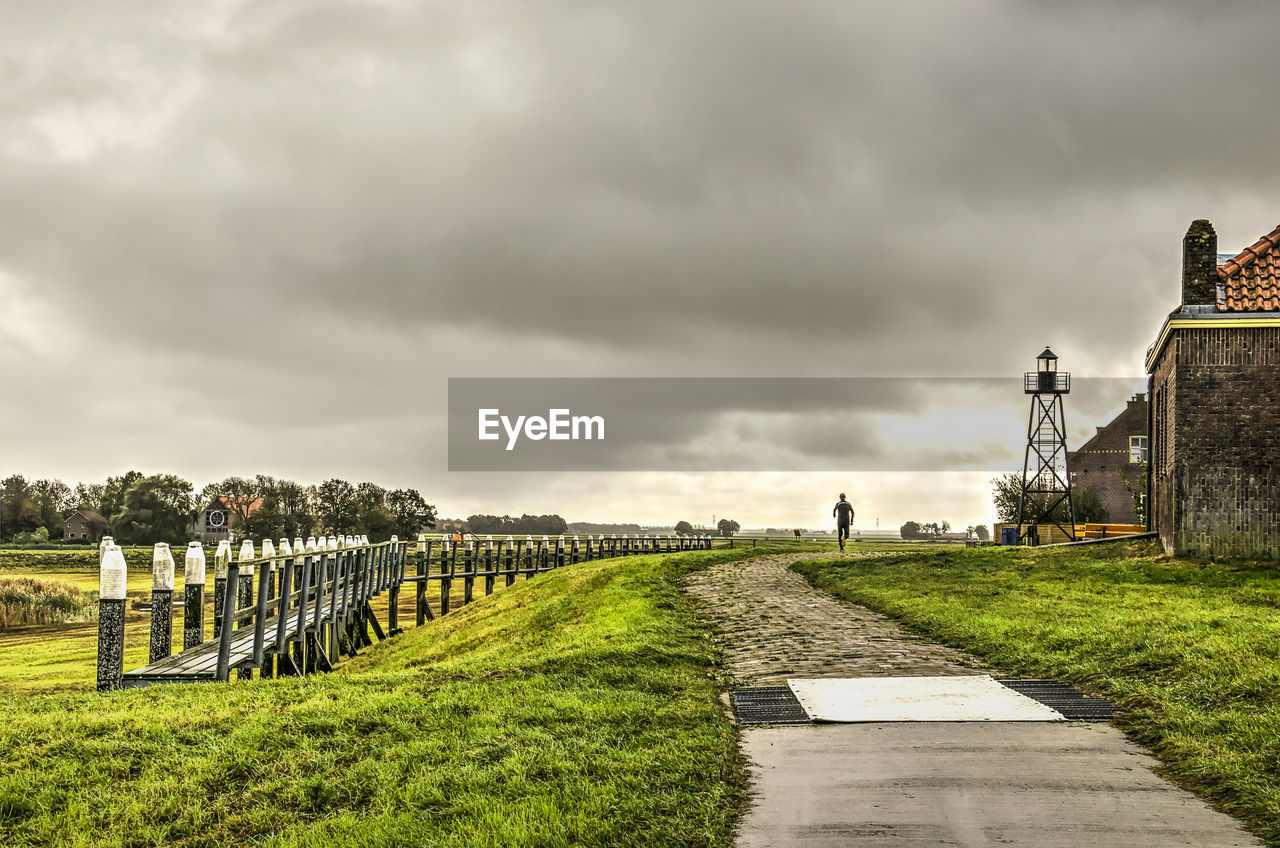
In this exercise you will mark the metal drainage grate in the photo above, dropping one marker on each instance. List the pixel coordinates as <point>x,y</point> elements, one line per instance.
<point>1071,702</point>
<point>768,705</point>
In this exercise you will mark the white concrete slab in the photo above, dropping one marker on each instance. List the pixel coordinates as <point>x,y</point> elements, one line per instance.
<point>979,784</point>
<point>881,699</point>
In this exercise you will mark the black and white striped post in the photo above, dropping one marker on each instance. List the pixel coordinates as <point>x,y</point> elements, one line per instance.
<point>112,579</point>
<point>193,596</point>
<point>221,565</point>
<point>161,602</point>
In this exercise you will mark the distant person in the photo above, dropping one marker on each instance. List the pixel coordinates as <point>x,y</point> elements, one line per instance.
<point>843,514</point>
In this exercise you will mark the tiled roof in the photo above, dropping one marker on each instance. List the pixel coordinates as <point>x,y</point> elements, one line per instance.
<point>1250,282</point>
<point>89,515</point>
<point>232,502</point>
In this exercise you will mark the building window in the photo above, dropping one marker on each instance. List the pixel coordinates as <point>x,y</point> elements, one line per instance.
<point>1137,448</point>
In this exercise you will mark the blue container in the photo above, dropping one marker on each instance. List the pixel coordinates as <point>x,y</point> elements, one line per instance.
<point>1008,535</point>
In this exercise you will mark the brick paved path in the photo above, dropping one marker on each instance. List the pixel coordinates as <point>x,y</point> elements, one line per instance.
<point>774,625</point>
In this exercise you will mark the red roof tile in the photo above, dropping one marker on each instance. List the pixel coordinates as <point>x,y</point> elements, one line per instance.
<point>251,505</point>
<point>1250,282</point>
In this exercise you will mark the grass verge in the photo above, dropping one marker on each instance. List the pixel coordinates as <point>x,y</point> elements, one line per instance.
<point>1192,651</point>
<point>579,708</point>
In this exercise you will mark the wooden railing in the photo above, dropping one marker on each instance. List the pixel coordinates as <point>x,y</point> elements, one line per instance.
<point>297,609</point>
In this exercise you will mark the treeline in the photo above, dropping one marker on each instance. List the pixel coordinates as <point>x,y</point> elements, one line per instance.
<point>525,525</point>
<point>142,509</point>
<point>587,528</point>
<point>932,530</point>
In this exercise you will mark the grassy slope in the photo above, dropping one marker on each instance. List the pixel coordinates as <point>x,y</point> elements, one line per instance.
<point>1193,651</point>
<point>579,708</point>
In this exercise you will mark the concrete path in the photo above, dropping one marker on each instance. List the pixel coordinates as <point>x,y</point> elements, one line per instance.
<point>923,784</point>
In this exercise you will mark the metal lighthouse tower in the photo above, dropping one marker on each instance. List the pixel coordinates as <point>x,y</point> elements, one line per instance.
<point>1046,486</point>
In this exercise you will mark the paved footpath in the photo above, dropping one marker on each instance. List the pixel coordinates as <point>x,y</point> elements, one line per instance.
<point>903,784</point>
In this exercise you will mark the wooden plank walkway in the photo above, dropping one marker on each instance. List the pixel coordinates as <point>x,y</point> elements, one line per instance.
<point>314,605</point>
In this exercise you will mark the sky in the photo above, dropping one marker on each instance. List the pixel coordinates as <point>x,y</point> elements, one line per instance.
<point>242,238</point>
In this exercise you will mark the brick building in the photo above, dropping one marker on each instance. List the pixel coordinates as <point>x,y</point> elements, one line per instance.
<point>1215,389</point>
<point>222,516</point>
<point>84,525</point>
<point>1110,463</point>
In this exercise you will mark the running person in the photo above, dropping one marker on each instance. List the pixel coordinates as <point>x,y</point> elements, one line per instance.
<point>843,514</point>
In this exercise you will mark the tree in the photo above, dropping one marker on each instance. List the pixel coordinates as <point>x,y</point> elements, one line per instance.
<point>265,507</point>
<point>19,513</point>
<point>335,506</point>
<point>52,498</point>
<point>1005,492</point>
<point>727,527</point>
<point>113,492</point>
<point>1088,507</point>
<point>981,531</point>
<point>911,530</point>
<point>158,508</point>
<point>1007,489</point>
<point>88,496</point>
<point>241,498</point>
<point>411,514</point>
<point>292,502</point>
<point>683,528</point>
<point>1138,491</point>
<point>373,517</point>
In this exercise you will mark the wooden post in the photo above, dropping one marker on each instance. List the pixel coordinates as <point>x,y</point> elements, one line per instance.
<point>392,575</point>
<point>193,577</point>
<point>489,564</point>
<point>228,621</point>
<point>161,602</point>
<point>424,562</point>
<point>244,594</point>
<point>221,563</point>
<point>448,557</point>
<point>112,580</point>
<point>512,563</point>
<point>281,644</point>
<point>468,582</point>
<point>266,579</point>
<point>305,579</point>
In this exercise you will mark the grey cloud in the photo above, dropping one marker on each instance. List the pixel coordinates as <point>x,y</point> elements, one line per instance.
<point>249,203</point>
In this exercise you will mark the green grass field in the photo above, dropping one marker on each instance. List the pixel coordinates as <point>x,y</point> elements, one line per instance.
<point>1191,650</point>
<point>578,708</point>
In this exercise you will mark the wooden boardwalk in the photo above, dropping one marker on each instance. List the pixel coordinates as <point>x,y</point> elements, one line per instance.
<point>298,612</point>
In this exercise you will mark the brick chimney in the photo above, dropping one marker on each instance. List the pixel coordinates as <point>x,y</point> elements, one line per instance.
<point>1200,263</point>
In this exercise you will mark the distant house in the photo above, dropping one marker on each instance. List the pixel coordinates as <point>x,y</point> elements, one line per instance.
<point>1110,462</point>
<point>84,525</point>
<point>221,516</point>
<point>1215,388</point>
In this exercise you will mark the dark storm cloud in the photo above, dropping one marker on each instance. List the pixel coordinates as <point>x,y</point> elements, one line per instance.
<point>248,208</point>
<point>629,173</point>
